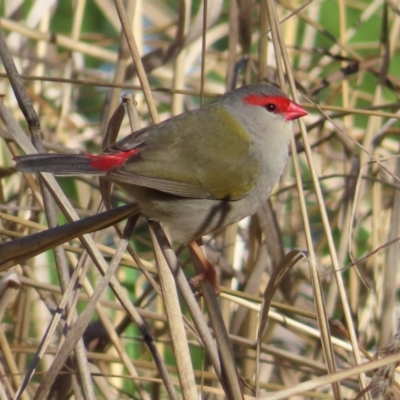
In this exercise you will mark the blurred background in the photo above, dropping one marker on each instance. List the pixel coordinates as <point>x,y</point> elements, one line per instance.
<point>345,62</point>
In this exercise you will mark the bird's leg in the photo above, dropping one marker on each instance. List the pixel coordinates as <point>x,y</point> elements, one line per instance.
<point>203,266</point>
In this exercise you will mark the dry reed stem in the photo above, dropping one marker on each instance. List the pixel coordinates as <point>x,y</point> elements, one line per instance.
<point>66,61</point>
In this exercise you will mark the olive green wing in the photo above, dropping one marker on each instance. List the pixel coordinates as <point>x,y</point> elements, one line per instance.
<point>201,154</point>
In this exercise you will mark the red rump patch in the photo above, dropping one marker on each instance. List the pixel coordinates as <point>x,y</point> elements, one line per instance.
<point>107,162</point>
<point>281,103</point>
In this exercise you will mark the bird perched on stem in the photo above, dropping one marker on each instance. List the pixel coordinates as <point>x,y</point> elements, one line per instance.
<point>197,172</point>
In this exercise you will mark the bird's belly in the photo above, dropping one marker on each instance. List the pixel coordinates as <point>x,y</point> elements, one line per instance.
<point>188,219</point>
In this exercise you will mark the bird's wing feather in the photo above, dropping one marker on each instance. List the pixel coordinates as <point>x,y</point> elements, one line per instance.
<point>183,189</point>
<point>183,138</point>
<point>130,142</point>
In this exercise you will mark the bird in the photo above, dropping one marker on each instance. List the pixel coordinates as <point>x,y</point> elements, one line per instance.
<point>197,172</point>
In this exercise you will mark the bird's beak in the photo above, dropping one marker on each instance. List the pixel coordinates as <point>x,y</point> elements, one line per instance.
<point>294,111</point>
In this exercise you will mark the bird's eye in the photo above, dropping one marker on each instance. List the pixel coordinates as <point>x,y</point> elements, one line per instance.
<point>271,107</point>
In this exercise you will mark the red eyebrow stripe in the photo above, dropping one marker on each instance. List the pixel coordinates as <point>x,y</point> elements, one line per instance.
<point>258,100</point>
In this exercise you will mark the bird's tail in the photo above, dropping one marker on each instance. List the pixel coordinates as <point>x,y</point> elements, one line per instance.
<point>59,164</point>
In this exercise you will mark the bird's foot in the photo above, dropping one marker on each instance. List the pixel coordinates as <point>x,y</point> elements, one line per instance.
<point>208,271</point>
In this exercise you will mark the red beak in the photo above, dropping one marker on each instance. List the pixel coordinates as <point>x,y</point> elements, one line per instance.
<point>294,111</point>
